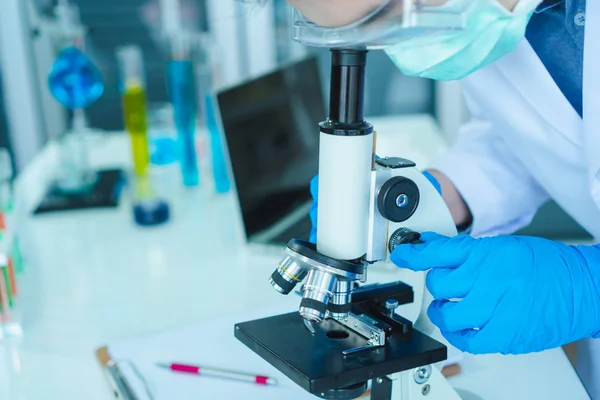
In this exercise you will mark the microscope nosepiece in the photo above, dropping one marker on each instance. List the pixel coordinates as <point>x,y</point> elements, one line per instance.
<point>329,282</point>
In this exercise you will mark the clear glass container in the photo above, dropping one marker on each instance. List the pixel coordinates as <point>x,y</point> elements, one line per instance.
<point>164,150</point>
<point>74,175</point>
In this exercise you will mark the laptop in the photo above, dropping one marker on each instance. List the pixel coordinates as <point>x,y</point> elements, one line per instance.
<point>271,126</point>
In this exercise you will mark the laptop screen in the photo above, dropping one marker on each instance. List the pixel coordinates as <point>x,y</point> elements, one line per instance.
<point>272,132</point>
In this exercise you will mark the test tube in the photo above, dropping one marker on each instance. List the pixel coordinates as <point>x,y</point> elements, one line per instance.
<point>7,234</point>
<point>5,295</point>
<point>207,77</point>
<point>148,209</point>
<point>133,94</point>
<point>180,83</point>
<point>10,325</point>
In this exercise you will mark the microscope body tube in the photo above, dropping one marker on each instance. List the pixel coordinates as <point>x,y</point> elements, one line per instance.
<point>344,183</point>
<point>345,161</point>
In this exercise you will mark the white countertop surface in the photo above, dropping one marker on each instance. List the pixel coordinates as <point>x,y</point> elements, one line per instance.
<point>94,277</point>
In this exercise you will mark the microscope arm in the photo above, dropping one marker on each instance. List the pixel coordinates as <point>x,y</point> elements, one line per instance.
<point>430,214</point>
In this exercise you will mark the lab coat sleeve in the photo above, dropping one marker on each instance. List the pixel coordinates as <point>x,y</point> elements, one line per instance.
<point>498,189</point>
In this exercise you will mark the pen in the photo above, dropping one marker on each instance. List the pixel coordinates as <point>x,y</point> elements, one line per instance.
<point>121,388</point>
<point>219,373</point>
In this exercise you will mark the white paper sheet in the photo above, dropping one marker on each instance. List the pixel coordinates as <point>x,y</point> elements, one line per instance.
<point>210,343</point>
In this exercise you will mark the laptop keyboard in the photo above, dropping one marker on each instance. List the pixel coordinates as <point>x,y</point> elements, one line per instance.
<point>299,230</point>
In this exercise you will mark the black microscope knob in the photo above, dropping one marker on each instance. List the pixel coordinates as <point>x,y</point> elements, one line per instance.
<point>398,199</point>
<point>403,236</point>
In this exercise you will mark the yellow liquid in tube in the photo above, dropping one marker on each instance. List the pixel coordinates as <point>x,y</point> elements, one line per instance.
<point>134,110</point>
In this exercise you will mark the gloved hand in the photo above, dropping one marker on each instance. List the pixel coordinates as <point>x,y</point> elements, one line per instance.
<point>517,294</point>
<point>314,191</point>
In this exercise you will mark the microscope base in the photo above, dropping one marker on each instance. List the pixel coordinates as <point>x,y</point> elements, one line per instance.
<point>316,363</point>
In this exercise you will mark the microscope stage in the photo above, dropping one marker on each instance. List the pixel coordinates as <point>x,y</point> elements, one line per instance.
<point>316,363</point>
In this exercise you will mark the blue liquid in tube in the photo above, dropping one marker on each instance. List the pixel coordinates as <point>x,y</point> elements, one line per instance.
<point>74,80</point>
<point>219,164</point>
<point>180,77</point>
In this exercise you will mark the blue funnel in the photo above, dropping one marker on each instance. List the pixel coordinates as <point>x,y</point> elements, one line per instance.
<point>74,80</point>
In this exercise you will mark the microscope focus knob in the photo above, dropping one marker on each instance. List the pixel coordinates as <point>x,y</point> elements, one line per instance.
<point>398,199</point>
<point>403,236</point>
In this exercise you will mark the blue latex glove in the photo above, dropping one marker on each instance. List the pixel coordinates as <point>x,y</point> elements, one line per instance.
<point>518,294</point>
<point>314,191</point>
<point>433,181</point>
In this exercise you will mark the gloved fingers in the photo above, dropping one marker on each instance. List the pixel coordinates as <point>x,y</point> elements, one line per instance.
<point>432,236</point>
<point>450,283</point>
<point>314,187</point>
<point>457,316</point>
<point>313,213</point>
<point>471,341</point>
<point>314,209</point>
<point>437,252</point>
<point>454,283</point>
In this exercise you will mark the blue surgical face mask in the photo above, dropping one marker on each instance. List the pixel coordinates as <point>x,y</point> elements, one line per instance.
<point>491,32</point>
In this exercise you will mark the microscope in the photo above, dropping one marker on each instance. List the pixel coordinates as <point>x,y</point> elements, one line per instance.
<point>347,337</point>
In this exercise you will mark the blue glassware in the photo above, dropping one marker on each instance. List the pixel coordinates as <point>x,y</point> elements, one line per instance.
<point>180,82</point>
<point>219,163</point>
<point>74,80</point>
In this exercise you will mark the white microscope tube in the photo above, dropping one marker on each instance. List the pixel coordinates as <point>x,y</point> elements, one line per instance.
<point>344,185</point>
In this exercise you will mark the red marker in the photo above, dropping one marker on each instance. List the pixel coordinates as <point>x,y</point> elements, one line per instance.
<point>220,373</point>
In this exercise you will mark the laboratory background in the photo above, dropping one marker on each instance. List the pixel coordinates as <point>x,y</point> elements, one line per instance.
<point>132,173</point>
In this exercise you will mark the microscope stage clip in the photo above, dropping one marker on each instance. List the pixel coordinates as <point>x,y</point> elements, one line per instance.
<point>367,327</point>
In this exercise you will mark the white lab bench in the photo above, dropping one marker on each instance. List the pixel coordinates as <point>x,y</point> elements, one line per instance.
<point>94,277</point>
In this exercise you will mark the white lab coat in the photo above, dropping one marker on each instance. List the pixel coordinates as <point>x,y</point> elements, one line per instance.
<point>526,144</point>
